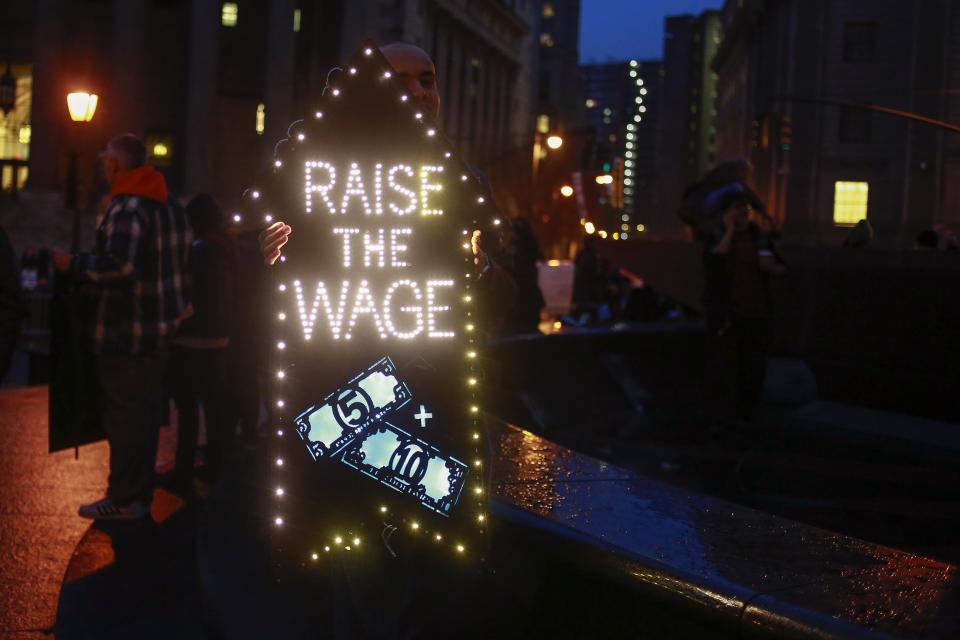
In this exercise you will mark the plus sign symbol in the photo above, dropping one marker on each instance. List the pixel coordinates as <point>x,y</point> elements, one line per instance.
<point>423,416</point>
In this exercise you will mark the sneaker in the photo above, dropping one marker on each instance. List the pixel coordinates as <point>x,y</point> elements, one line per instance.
<point>106,509</point>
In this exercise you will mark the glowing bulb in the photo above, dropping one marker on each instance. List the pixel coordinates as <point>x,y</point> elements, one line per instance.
<point>469,327</point>
<point>461,548</point>
<point>278,521</point>
<point>336,92</point>
<point>367,51</point>
<point>466,245</point>
<point>438,537</point>
<point>471,354</point>
<point>403,98</point>
<point>356,542</point>
<point>472,381</point>
<point>279,462</point>
<point>318,115</point>
<point>481,518</point>
<point>431,132</point>
<point>255,194</point>
<point>281,375</point>
<point>279,432</point>
<point>268,218</point>
<point>279,491</point>
<point>496,222</point>
<point>418,115</point>
<point>476,462</point>
<point>446,155</point>
<point>383,509</point>
<point>236,217</point>
<point>476,436</point>
<point>281,316</point>
<point>415,526</point>
<point>280,403</point>
<point>477,490</point>
<point>467,298</point>
<point>277,163</point>
<point>480,200</point>
<point>282,287</point>
<point>314,556</point>
<point>387,74</point>
<point>353,71</point>
<point>326,548</point>
<point>474,409</point>
<point>463,177</point>
<point>281,345</point>
<point>301,137</point>
<point>338,540</point>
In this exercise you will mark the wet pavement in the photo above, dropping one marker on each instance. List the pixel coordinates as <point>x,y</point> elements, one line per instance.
<point>60,576</point>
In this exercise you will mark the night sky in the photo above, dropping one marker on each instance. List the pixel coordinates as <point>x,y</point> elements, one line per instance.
<point>622,29</point>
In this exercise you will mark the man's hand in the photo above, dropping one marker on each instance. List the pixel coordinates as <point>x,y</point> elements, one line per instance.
<point>61,259</point>
<point>271,239</point>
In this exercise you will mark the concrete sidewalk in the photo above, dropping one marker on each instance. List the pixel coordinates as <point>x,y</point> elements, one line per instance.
<point>60,575</point>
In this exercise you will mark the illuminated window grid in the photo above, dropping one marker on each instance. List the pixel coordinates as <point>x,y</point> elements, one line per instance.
<point>229,12</point>
<point>849,202</point>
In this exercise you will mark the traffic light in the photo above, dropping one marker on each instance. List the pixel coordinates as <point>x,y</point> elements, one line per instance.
<point>786,132</point>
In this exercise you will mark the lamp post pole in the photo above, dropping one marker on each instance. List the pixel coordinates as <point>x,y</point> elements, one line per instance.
<point>81,105</point>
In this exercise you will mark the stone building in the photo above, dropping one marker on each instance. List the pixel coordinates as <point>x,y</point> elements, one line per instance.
<point>687,125</point>
<point>213,85</point>
<point>791,76</point>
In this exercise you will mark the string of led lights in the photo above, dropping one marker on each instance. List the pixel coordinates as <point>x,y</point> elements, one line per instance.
<point>380,251</point>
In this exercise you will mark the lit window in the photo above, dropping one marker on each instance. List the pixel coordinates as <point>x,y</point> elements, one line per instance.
<point>261,119</point>
<point>159,149</point>
<point>543,123</point>
<point>546,40</point>
<point>228,14</point>
<point>548,11</point>
<point>24,134</point>
<point>850,202</point>
<point>296,20</point>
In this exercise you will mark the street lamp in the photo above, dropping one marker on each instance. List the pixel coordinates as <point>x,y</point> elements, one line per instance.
<point>81,105</point>
<point>554,142</point>
<point>566,191</point>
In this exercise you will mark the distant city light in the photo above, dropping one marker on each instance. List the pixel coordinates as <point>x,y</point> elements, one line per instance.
<point>566,191</point>
<point>590,228</point>
<point>229,14</point>
<point>554,142</point>
<point>605,178</point>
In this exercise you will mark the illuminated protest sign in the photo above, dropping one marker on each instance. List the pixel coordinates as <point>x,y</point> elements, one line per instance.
<point>375,349</point>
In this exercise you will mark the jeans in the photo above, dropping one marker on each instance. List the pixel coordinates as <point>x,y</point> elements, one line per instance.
<point>130,396</point>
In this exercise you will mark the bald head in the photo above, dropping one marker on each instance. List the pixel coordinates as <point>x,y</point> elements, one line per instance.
<point>415,68</point>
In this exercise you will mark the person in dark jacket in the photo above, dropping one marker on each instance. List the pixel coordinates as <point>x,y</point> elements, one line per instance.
<point>518,256</point>
<point>138,269</point>
<point>198,375</point>
<point>11,303</point>
<point>738,302</point>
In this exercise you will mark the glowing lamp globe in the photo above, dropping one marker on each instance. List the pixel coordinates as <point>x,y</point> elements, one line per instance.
<point>554,142</point>
<point>566,191</point>
<point>82,105</point>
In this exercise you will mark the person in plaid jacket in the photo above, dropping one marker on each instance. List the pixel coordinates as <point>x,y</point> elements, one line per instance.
<point>139,272</point>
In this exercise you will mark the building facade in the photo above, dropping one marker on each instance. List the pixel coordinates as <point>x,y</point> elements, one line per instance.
<point>795,80</point>
<point>212,86</point>
<point>687,127</point>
